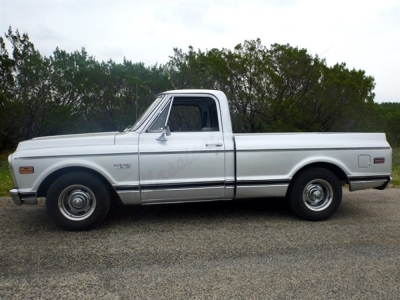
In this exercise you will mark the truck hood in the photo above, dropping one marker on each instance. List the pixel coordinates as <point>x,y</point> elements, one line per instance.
<point>71,140</point>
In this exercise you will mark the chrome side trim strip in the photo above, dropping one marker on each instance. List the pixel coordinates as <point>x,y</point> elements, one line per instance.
<point>126,188</point>
<point>176,201</point>
<point>312,149</point>
<point>368,178</point>
<point>175,186</point>
<point>76,155</point>
<point>262,182</point>
<point>184,152</point>
<point>120,154</point>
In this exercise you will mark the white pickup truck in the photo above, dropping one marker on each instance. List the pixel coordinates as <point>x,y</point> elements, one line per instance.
<point>182,149</point>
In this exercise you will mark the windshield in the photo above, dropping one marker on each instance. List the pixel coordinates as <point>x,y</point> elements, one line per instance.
<point>145,115</point>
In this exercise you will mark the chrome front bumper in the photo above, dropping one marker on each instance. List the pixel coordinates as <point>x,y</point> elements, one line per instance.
<point>20,199</point>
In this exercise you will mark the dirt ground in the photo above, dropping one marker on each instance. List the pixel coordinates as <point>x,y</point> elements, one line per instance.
<point>221,250</point>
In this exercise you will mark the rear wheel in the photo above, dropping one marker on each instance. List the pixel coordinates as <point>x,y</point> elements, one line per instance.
<point>315,194</point>
<point>78,201</point>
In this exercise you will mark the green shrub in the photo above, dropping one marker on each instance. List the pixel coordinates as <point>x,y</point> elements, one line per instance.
<point>396,167</point>
<point>5,179</point>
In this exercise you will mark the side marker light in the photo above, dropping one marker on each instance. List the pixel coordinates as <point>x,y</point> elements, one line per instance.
<point>26,170</point>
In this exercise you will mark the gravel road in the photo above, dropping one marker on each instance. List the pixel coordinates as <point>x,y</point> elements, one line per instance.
<point>221,250</point>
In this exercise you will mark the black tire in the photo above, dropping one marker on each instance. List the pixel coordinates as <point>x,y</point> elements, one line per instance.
<point>315,194</point>
<point>78,201</point>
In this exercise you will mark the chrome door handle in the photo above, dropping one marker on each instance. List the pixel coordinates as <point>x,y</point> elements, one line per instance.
<point>215,145</point>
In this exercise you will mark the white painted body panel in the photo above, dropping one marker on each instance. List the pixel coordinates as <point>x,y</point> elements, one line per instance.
<point>185,159</point>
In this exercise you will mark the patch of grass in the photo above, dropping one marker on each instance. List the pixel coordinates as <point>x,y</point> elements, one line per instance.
<point>5,179</point>
<point>396,167</point>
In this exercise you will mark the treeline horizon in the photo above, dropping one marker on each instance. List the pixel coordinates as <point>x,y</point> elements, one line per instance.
<point>271,89</point>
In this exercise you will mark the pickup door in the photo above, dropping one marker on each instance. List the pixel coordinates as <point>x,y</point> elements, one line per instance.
<point>188,164</point>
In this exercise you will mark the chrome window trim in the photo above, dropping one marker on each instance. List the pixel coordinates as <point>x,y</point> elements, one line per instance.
<point>169,102</point>
<point>183,95</point>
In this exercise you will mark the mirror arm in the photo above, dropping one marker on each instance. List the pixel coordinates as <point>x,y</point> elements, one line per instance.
<point>165,132</point>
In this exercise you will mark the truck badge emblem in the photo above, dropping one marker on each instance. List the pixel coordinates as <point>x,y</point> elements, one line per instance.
<point>122,166</point>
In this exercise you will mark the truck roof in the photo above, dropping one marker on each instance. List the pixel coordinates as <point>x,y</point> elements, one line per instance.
<point>195,91</point>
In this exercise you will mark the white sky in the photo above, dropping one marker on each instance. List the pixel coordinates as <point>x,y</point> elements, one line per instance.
<point>363,34</point>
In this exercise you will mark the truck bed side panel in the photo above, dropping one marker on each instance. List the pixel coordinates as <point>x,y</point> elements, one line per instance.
<point>266,163</point>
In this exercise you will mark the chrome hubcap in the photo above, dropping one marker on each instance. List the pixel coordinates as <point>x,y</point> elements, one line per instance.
<point>77,202</point>
<point>318,195</point>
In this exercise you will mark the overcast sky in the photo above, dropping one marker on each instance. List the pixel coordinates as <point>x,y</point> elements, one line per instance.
<point>363,34</point>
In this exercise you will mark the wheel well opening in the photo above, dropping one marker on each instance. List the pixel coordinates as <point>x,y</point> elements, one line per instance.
<point>338,172</point>
<point>44,186</point>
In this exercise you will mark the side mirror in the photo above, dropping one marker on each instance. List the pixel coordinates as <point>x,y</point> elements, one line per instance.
<point>165,132</point>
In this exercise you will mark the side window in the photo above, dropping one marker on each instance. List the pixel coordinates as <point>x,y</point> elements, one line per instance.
<point>190,114</point>
<point>185,118</point>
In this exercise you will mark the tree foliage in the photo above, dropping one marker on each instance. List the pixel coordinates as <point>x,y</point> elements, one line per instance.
<point>275,89</point>
<point>281,88</point>
<point>69,92</point>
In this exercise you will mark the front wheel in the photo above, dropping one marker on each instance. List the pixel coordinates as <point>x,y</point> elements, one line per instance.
<point>315,194</point>
<point>78,201</point>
